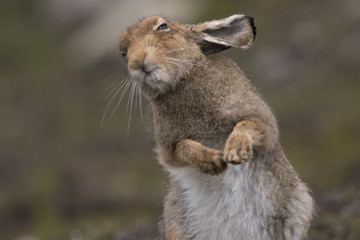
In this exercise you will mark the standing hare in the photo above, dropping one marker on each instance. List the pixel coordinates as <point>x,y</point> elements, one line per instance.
<point>216,137</point>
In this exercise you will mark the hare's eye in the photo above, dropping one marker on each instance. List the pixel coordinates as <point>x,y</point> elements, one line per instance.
<point>162,26</point>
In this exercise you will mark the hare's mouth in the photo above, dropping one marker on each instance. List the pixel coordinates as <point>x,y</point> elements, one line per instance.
<point>155,77</point>
<point>146,74</point>
<point>150,73</point>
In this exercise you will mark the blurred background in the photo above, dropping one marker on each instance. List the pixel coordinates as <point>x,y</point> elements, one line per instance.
<point>66,176</point>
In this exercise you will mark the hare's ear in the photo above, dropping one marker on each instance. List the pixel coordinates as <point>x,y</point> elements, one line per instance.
<point>234,31</point>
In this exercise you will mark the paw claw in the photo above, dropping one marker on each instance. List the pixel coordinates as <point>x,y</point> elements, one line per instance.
<point>238,150</point>
<point>214,163</point>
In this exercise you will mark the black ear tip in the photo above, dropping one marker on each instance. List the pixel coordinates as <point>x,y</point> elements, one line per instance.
<point>252,24</point>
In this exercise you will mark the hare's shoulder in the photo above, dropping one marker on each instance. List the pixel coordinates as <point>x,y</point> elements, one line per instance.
<point>224,62</point>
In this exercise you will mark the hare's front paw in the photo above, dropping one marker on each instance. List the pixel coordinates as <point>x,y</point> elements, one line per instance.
<point>238,148</point>
<point>211,161</point>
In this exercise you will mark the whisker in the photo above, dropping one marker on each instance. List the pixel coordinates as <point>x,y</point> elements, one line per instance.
<point>131,98</point>
<point>116,77</point>
<point>101,94</point>
<point>174,63</point>
<point>136,95</point>
<point>184,61</point>
<point>128,84</point>
<point>178,49</point>
<point>124,91</point>
<point>140,101</point>
<point>116,93</point>
<point>116,83</point>
<point>107,71</point>
<point>121,84</point>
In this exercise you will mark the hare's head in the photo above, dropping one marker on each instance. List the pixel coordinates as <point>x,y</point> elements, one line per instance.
<point>160,52</point>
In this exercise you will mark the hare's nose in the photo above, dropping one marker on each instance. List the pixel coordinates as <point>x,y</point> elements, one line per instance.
<point>137,61</point>
<point>146,68</point>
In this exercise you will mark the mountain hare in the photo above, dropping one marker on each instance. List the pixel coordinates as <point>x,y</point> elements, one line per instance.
<point>216,137</point>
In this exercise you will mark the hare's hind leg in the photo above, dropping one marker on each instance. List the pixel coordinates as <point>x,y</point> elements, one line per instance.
<point>174,214</point>
<point>295,230</point>
<point>174,236</point>
<point>301,211</point>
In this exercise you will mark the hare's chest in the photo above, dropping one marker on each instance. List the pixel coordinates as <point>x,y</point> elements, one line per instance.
<point>194,116</point>
<point>211,133</point>
<point>234,205</point>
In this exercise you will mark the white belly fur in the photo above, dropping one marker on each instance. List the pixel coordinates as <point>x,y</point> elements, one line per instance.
<point>233,205</point>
